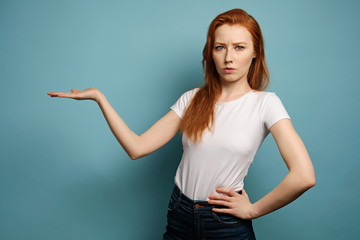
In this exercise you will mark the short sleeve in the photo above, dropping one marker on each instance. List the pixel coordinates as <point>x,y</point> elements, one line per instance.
<point>272,110</point>
<point>181,104</point>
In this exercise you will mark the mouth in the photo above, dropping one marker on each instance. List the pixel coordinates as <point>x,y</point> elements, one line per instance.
<point>229,70</point>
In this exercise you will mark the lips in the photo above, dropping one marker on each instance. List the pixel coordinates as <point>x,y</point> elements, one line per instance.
<point>229,70</point>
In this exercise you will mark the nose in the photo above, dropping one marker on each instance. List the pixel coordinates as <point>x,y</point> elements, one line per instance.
<point>228,56</point>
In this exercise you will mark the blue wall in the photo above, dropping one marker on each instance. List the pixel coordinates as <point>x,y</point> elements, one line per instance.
<point>64,176</point>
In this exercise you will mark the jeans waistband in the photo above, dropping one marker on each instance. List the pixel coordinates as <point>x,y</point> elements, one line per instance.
<point>194,205</point>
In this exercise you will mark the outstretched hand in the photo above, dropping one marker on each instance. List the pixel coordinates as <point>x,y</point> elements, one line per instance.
<point>238,205</point>
<point>87,94</point>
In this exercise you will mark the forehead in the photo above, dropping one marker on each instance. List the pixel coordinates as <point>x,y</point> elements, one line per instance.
<point>232,33</point>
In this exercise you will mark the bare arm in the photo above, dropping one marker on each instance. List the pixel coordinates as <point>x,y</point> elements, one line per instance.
<point>301,174</point>
<point>300,178</point>
<point>135,146</point>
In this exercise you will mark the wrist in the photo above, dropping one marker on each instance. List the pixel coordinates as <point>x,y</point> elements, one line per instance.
<point>254,212</point>
<point>98,96</point>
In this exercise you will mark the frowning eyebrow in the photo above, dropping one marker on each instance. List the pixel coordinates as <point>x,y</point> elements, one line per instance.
<point>237,43</point>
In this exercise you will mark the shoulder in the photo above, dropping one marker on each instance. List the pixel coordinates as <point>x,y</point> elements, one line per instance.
<point>267,101</point>
<point>263,93</point>
<point>189,94</point>
<point>181,104</point>
<point>185,98</point>
<point>263,96</point>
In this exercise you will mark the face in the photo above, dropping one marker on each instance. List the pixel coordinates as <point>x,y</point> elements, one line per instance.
<point>233,52</point>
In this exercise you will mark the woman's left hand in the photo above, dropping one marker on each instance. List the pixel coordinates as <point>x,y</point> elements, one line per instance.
<point>238,205</point>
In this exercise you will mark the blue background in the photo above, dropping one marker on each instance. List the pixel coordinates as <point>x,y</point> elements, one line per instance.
<point>64,176</point>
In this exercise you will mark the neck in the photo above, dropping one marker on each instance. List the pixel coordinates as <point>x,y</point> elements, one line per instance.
<point>234,89</point>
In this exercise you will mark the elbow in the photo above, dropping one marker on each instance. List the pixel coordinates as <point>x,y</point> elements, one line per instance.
<point>304,181</point>
<point>305,177</point>
<point>309,182</point>
<point>135,155</point>
<point>135,152</point>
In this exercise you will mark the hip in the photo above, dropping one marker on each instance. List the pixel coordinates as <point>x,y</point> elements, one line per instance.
<point>193,219</point>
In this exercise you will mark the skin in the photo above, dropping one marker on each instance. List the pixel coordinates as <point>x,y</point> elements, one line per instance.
<point>233,48</point>
<point>301,174</point>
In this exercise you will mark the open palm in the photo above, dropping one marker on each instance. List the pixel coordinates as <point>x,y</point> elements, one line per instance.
<point>87,94</point>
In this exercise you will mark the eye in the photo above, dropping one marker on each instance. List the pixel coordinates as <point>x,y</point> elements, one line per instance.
<point>239,47</point>
<point>219,47</point>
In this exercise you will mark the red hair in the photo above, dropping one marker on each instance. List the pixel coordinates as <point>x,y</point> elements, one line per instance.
<point>200,112</point>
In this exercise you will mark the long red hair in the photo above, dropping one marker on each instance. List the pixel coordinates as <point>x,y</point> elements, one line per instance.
<point>200,112</point>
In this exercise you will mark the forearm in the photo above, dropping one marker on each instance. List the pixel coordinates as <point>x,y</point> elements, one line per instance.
<point>127,138</point>
<point>292,186</point>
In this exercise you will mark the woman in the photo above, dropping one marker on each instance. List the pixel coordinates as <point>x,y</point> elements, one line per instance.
<point>223,123</point>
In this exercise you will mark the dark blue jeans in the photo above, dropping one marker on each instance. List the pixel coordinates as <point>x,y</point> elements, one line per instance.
<point>188,220</point>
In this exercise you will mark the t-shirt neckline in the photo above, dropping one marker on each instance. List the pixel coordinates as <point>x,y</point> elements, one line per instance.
<point>236,100</point>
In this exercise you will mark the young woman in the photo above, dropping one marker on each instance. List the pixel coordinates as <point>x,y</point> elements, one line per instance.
<point>224,122</point>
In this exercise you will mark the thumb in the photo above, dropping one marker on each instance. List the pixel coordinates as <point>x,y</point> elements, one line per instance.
<point>244,193</point>
<point>74,90</point>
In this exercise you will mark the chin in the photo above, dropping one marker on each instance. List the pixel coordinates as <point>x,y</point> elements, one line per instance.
<point>229,79</point>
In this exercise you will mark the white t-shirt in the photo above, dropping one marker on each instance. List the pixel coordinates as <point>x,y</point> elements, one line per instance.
<point>223,157</point>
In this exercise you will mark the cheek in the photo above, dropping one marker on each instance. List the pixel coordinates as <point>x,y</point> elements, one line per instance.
<point>217,61</point>
<point>246,60</point>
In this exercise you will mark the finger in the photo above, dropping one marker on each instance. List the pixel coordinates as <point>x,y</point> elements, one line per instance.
<point>227,191</point>
<point>74,90</point>
<point>219,197</point>
<point>222,210</point>
<point>64,95</point>
<point>68,96</point>
<point>219,202</point>
<point>53,94</point>
<point>56,93</point>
